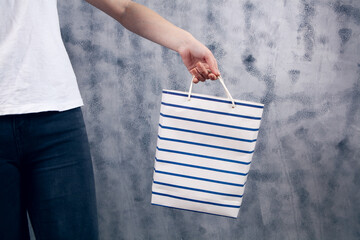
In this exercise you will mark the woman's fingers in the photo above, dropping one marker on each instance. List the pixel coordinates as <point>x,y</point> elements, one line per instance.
<point>210,59</point>
<point>197,76</point>
<point>201,72</point>
<point>202,68</point>
<point>206,72</point>
<point>212,76</point>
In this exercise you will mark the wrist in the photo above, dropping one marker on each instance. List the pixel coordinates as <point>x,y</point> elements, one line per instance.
<point>185,42</point>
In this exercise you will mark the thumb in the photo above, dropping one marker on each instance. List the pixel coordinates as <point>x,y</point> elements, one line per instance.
<point>211,61</point>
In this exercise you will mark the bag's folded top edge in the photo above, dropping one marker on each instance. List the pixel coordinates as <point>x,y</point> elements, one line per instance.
<point>185,94</point>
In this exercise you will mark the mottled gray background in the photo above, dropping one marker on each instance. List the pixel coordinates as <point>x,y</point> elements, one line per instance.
<point>300,58</point>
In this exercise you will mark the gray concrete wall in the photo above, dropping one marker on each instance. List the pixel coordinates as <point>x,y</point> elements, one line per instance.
<point>300,58</point>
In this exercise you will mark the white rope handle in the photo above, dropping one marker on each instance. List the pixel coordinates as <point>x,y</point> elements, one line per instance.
<point>222,83</point>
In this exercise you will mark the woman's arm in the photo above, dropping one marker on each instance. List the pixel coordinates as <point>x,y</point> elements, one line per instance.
<point>141,20</point>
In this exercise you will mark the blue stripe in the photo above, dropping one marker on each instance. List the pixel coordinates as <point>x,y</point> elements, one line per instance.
<point>213,99</point>
<point>206,168</point>
<point>205,145</point>
<point>211,123</point>
<point>199,190</point>
<point>201,179</point>
<point>210,111</point>
<point>192,210</point>
<point>194,200</point>
<point>207,134</point>
<point>203,156</point>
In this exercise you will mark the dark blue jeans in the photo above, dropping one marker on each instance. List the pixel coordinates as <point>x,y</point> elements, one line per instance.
<point>46,170</point>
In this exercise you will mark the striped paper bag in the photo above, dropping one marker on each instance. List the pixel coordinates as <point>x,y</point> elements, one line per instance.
<point>204,150</point>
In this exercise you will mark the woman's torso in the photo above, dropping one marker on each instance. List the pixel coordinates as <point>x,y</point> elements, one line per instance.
<point>35,71</point>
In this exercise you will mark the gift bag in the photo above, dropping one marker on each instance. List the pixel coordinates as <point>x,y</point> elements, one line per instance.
<point>204,149</point>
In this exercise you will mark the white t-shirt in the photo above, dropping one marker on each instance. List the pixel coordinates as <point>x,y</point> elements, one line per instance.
<point>35,71</point>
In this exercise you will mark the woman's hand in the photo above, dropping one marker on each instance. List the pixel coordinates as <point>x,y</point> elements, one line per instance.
<point>199,60</point>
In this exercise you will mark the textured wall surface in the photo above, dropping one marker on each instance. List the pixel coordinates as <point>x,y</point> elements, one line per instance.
<point>300,58</point>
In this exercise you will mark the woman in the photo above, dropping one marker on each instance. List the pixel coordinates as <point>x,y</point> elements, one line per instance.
<point>45,162</point>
